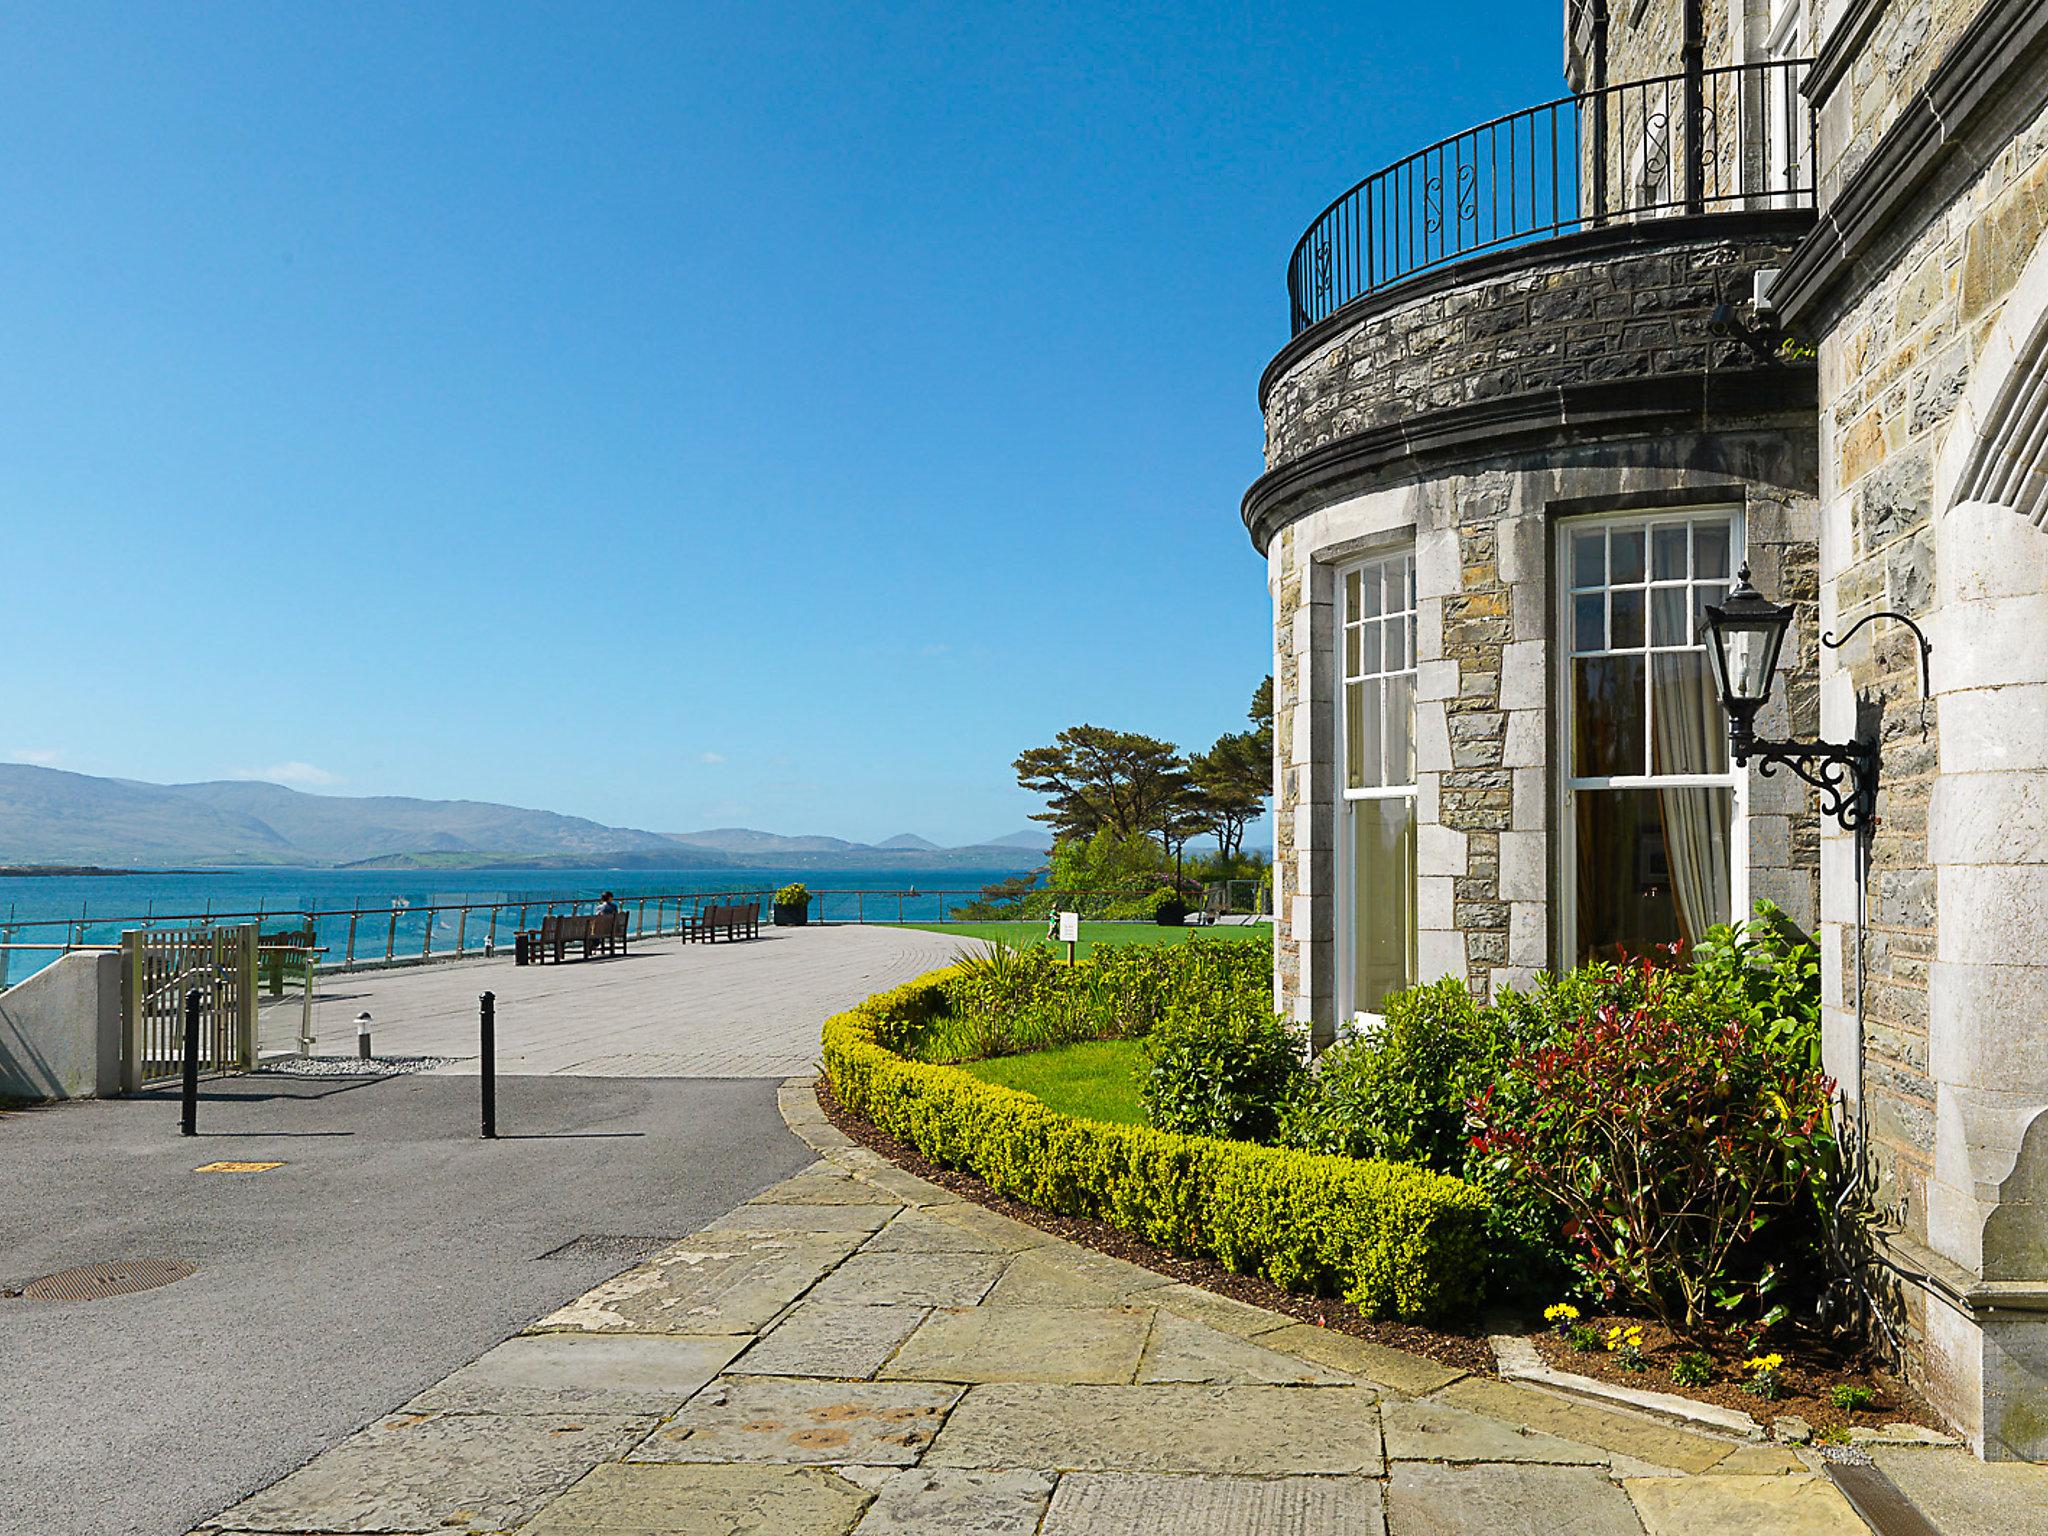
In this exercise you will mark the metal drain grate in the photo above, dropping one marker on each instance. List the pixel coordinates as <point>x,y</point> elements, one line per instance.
<point>606,1245</point>
<point>92,1282</point>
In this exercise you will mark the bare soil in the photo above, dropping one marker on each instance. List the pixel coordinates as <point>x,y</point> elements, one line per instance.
<point>1814,1365</point>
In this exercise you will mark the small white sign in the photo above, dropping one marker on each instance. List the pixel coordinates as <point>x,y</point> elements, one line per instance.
<point>1070,927</point>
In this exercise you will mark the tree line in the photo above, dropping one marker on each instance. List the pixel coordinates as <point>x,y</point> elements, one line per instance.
<point>1095,779</point>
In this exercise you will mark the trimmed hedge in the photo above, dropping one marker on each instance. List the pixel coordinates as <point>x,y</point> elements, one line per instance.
<point>1393,1240</point>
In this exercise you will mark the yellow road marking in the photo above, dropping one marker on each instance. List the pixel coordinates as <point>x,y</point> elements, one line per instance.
<point>236,1167</point>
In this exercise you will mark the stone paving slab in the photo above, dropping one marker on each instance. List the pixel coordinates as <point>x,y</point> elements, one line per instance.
<point>947,1501</point>
<point>1050,1344</point>
<point>911,1190</point>
<point>919,1231</point>
<point>2006,1497</point>
<point>920,1279</point>
<point>1641,1440</point>
<point>643,1499</point>
<point>772,1216</point>
<point>1065,1276</point>
<point>1122,1504</point>
<point>794,1421</point>
<point>823,1184</point>
<point>569,1373</point>
<point>1242,1430</point>
<point>826,1339</point>
<point>1182,1349</point>
<point>440,1472</point>
<point>1396,1369</point>
<point>1424,1499</point>
<point>1223,1312</point>
<point>1430,1431</point>
<point>715,1282</point>
<point>1713,1505</point>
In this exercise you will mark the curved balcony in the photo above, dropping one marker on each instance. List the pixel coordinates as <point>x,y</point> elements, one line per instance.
<point>1737,138</point>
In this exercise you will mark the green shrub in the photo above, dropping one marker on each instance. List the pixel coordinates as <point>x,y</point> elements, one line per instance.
<point>1692,1369</point>
<point>1395,1241</point>
<point>1002,999</point>
<point>1219,1074</point>
<point>1850,1398</point>
<point>795,894</point>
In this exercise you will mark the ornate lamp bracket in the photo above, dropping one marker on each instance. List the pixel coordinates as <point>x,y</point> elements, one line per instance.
<point>1846,774</point>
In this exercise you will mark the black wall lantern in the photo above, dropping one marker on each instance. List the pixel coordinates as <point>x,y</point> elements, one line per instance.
<point>1745,635</point>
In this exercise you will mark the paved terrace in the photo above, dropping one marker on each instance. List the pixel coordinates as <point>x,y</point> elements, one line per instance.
<point>749,1008</point>
<point>857,1350</point>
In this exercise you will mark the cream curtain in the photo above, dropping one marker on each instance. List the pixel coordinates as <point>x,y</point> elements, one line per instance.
<point>1688,734</point>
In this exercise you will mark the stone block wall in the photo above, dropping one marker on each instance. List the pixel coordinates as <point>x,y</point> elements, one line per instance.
<point>1488,798</point>
<point>1894,367</point>
<point>1570,312</point>
<point>1896,57</point>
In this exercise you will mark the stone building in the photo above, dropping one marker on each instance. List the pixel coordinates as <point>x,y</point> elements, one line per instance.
<point>1769,288</point>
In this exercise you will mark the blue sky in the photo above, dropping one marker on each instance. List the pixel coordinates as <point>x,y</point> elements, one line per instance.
<point>680,415</point>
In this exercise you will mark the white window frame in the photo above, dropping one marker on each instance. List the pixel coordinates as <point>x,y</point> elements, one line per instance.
<point>1784,38</point>
<point>1347,882</point>
<point>1566,785</point>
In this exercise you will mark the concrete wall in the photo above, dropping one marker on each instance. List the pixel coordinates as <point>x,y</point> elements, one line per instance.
<point>60,1031</point>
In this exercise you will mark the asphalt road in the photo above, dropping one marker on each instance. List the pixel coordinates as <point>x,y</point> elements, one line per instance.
<point>393,1246</point>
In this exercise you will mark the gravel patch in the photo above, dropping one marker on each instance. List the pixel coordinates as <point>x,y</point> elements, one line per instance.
<point>353,1066</point>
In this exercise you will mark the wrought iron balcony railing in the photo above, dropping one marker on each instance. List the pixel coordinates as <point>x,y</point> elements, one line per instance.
<point>1709,140</point>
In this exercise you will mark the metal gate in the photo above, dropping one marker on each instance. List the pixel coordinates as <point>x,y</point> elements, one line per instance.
<point>158,967</point>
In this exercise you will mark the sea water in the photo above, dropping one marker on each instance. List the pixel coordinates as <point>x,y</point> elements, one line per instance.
<point>96,909</point>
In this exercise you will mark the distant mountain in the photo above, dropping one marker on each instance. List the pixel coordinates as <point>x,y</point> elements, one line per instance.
<point>909,842</point>
<point>747,840</point>
<point>1035,838</point>
<point>48,816</point>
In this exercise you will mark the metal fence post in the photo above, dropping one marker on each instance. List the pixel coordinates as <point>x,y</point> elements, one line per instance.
<point>391,938</point>
<point>487,1028</point>
<point>188,1116</point>
<point>461,930</point>
<point>349,956</point>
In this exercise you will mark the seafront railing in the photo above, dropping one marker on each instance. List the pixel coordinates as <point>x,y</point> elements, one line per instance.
<point>401,932</point>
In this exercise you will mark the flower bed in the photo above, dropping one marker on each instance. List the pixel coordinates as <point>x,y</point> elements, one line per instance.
<point>1815,1378</point>
<point>1393,1240</point>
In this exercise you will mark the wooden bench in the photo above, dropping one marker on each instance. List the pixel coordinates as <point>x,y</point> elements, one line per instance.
<point>596,932</point>
<point>734,920</point>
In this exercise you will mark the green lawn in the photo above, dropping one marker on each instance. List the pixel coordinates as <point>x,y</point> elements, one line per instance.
<point>1097,1080</point>
<point>1092,934</point>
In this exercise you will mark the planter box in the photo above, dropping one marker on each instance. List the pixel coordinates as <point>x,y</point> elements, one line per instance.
<point>792,914</point>
<point>1173,915</point>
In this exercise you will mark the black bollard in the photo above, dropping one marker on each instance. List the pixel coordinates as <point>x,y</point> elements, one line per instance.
<point>488,1024</point>
<point>188,1118</point>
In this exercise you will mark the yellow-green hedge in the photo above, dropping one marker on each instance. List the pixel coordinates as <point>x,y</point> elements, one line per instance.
<point>1394,1240</point>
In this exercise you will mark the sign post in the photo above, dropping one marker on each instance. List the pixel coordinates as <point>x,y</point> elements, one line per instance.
<point>1070,932</point>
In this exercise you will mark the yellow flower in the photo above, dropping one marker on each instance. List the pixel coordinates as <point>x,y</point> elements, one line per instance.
<point>1562,1312</point>
<point>1764,1362</point>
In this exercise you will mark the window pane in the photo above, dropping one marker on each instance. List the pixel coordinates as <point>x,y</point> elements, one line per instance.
<point>1688,731</point>
<point>1667,616</point>
<point>1382,900</point>
<point>1607,716</point>
<point>1626,619</point>
<point>1351,595</point>
<point>1589,559</point>
<point>1365,729</point>
<point>1367,600</point>
<point>1625,551</point>
<point>1667,552</point>
<point>1351,650</point>
<point>1369,649</point>
<point>1397,584</point>
<point>1400,758</point>
<point>1589,622</point>
<point>1653,867</point>
<point>1397,656</point>
<point>1701,597</point>
<point>1710,550</point>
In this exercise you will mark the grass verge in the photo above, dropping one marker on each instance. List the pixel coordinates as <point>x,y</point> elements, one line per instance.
<point>1024,935</point>
<point>1096,1080</point>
